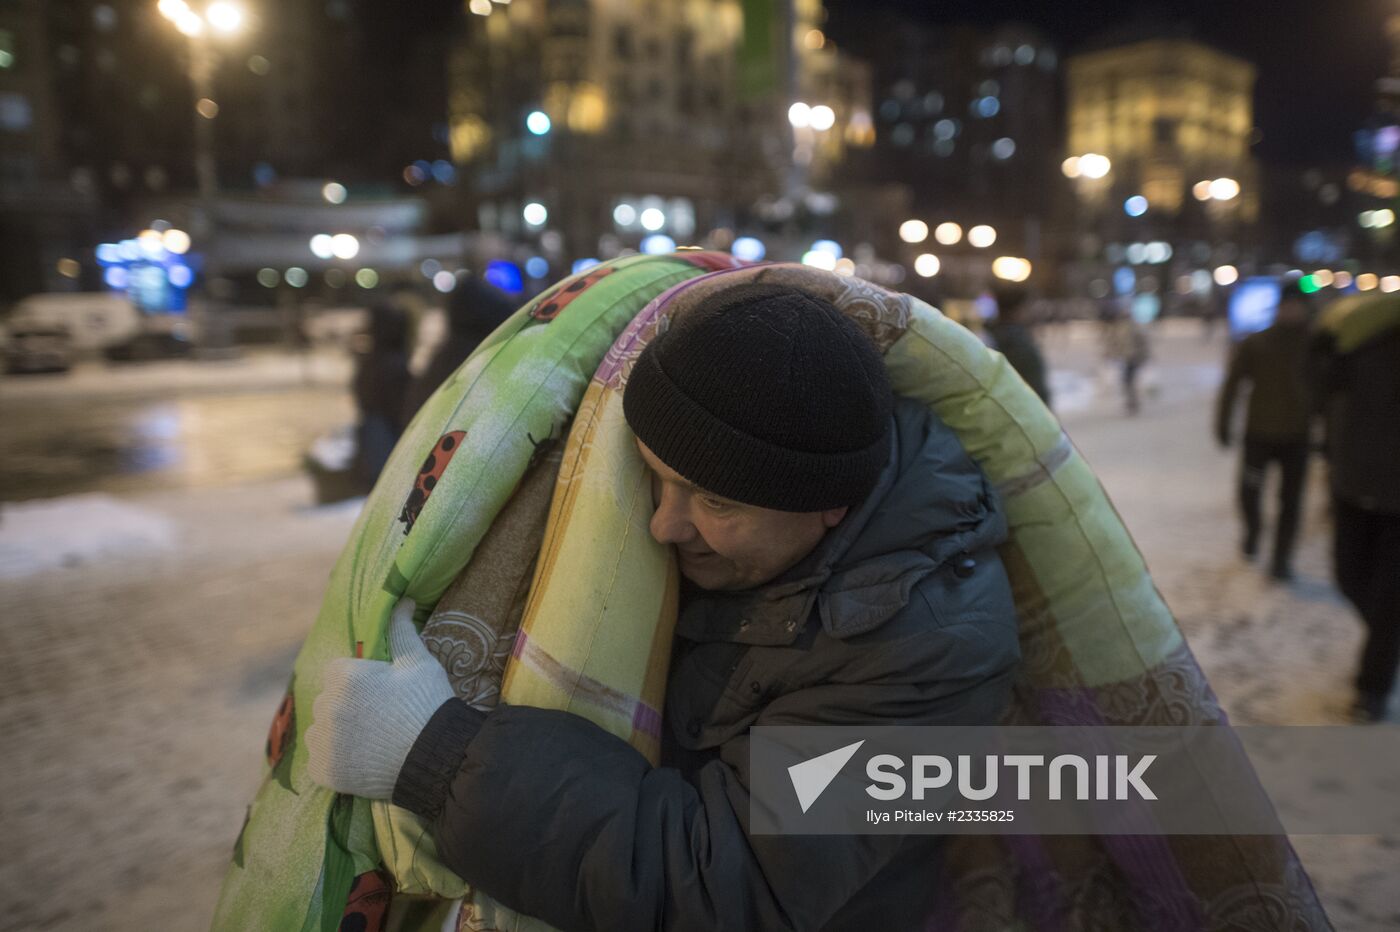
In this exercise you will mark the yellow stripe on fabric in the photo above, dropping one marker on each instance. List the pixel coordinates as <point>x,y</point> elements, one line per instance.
<point>599,591</point>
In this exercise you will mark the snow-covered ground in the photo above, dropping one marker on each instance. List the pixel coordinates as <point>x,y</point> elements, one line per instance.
<point>146,637</point>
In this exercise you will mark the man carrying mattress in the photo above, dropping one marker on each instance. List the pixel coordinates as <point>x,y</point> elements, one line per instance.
<point>837,546</point>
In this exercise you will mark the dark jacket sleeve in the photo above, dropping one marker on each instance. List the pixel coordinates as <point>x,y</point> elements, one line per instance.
<point>1225,405</point>
<point>558,819</point>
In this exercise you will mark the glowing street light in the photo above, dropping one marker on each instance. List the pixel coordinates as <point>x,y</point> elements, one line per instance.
<point>345,246</point>
<point>1226,275</point>
<point>176,241</point>
<point>822,118</point>
<point>1201,190</point>
<point>800,115</point>
<point>535,214</point>
<point>1224,189</point>
<point>334,192</point>
<point>224,16</point>
<point>927,265</point>
<point>1094,166</point>
<point>913,231</point>
<point>653,219</point>
<point>1011,268</point>
<point>1070,167</point>
<point>981,236</point>
<point>538,122</point>
<point>948,233</point>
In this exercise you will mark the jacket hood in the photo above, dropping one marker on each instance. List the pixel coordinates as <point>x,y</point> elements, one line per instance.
<point>930,504</point>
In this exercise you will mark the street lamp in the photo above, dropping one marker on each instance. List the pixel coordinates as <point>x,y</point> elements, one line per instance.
<point>913,231</point>
<point>1093,166</point>
<point>224,18</point>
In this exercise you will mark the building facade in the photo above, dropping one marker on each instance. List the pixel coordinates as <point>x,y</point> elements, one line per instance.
<point>968,123</point>
<point>1158,151</point>
<point>586,126</point>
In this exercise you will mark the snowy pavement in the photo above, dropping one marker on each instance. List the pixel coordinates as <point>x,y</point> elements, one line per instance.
<point>146,637</point>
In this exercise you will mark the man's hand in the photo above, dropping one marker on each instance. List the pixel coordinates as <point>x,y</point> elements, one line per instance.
<point>369,712</point>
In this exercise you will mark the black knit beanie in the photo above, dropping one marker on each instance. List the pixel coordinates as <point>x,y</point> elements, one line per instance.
<point>766,395</point>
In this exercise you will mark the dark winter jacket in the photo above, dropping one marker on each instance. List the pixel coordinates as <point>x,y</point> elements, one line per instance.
<point>1274,363</point>
<point>902,615</point>
<point>1359,392</point>
<point>380,381</point>
<point>1015,342</point>
<point>474,310</point>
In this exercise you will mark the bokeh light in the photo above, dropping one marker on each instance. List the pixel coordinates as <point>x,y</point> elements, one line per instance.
<point>1011,268</point>
<point>927,265</point>
<point>913,231</point>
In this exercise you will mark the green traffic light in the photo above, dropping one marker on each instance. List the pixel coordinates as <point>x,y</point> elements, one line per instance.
<point>1307,285</point>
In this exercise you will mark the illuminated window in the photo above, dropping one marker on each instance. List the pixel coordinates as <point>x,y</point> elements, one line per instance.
<point>622,42</point>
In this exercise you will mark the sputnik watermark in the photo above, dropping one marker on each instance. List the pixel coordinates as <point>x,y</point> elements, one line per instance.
<point>1101,777</point>
<point>1114,776</point>
<point>1187,780</point>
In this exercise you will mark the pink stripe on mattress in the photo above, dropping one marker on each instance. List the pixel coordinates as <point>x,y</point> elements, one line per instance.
<point>642,716</point>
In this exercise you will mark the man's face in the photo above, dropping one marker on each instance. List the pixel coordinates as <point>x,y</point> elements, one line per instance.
<point>722,544</point>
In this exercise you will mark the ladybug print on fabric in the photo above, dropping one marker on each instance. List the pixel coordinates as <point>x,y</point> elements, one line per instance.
<point>429,474</point>
<point>550,305</point>
<point>367,907</point>
<point>280,737</point>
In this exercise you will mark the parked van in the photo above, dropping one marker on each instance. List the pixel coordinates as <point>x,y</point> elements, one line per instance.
<point>93,321</point>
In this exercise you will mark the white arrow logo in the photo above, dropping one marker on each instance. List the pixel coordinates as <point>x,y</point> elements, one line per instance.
<point>811,777</point>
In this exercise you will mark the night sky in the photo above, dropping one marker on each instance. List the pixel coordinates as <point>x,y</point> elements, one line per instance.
<point>1317,59</point>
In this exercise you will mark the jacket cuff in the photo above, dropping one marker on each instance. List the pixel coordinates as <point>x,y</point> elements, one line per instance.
<point>435,757</point>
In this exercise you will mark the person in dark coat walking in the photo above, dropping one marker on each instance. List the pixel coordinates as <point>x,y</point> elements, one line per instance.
<point>474,310</point>
<point>1013,339</point>
<point>1273,363</point>
<point>1359,390</point>
<point>379,384</point>
<point>838,547</point>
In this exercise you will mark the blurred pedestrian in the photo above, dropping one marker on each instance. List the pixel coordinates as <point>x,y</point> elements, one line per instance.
<point>1273,362</point>
<point>1359,387</point>
<point>474,310</point>
<point>379,386</point>
<point>1013,339</point>
<point>1126,342</point>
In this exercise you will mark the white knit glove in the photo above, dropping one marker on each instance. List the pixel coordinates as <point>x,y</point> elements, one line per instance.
<point>369,713</point>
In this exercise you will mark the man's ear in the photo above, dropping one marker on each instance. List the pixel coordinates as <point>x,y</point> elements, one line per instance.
<point>832,516</point>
